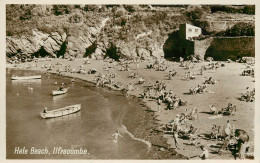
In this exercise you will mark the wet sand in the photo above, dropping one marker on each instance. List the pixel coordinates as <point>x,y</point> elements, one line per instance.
<point>150,121</point>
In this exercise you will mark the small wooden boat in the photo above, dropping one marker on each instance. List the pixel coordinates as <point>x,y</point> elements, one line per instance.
<point>26,77</point>
<point>61,112</point>
<point>60,92</point>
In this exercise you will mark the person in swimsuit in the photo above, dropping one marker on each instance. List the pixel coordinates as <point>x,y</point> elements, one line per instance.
<point>116,136</point>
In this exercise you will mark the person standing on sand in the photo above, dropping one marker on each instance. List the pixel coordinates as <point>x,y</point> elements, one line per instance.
<point>176,124</point>
<point>205,153</point>
<point>137,63</point>
<point>175,130</point>
<point>177,119</point>
<point>228,129</point>
<point>186,75</point>
<point>181,60</point>
<point>193,114</point>
<point>214,132</point>
<point>159,104</point>
<point>128,88</point>
<point>127,93</point>
<point>175,138</point>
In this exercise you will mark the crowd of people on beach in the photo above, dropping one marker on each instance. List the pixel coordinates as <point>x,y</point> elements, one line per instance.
<point>249,72</point>
<point>249,96</point>
<point>181,126</point>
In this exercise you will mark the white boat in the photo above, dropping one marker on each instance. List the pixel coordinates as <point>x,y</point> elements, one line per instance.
<point>26,77</point>
<point>58,92</point>
<point>61,112</point>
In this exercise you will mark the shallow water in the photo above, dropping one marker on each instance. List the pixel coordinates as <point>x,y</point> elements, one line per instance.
<point>91,128</point>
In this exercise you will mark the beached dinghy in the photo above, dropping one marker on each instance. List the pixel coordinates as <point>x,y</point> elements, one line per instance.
<point>26,77</point>
<point>61,112</point>
<point>60,92</point>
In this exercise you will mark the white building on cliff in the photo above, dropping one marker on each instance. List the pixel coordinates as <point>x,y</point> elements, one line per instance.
<point>190,31</point>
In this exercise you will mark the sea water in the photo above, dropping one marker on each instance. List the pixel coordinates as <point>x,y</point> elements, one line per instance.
<point>91,129</point>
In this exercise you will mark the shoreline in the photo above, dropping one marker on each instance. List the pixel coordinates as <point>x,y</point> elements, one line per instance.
<point>177,85</point>
<point>149,119</point>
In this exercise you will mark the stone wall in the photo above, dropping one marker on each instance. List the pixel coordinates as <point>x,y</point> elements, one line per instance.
<point>232,48</point>
<point>200,47</point>
<point>220,48</point>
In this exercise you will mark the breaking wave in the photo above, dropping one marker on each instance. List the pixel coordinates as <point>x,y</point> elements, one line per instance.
<point>147,143</point>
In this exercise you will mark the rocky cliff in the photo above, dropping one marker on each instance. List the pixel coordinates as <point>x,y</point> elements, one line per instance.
<point>92,30</point>
<point>30,45</point>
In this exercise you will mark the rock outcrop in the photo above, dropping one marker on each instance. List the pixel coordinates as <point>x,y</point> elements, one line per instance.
<point>29,45</point>
<point>77,44</point>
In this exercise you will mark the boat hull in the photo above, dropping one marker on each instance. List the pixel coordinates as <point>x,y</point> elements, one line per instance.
<point>26,77</point>
<point>55,93</point>
<point>61,112</point>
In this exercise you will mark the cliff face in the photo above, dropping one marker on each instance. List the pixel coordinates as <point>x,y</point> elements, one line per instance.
<point>45,31</point>
<point>29,45</point>
<point>92,30</point>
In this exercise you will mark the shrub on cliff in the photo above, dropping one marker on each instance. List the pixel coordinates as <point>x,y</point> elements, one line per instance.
<point>216,8</point>
<point>62,9</point>
<point>90,7</point>
<point>249,9</point>
<point>239,29</point>
<point>204,25</point>
<point>44,28</point>
<point>21,12</point>
<point>76,18</point>
<point>195,14</point>
<point>118,11</point>
<point>121,21</point>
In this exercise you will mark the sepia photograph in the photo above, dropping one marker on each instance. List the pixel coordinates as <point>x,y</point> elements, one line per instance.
<point>130,81</point>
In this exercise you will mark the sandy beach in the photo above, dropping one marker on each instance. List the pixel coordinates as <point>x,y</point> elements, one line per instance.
<point>231,85</point>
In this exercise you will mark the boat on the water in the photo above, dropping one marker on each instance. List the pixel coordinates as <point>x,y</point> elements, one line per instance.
<point>60,92</point>
<point>60,112</point>
<point>26,77</point>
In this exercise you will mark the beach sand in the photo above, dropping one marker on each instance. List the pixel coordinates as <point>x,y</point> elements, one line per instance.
<point>230,87</point>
